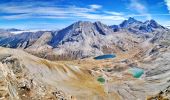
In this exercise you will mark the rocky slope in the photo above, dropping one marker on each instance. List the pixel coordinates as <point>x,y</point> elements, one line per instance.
<point>23,40</point>
<point>26,77</point>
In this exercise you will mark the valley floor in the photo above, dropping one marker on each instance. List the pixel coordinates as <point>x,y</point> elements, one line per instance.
<point>27,77</point>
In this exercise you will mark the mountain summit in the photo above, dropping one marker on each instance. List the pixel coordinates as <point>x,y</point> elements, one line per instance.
<point>80,31</point>
<point>135,26</point>
<point>130,22</point>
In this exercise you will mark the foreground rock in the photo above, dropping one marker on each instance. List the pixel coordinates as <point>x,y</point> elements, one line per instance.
<point>26,77</point>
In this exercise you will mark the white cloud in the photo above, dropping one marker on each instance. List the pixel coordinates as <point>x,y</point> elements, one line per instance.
<point>95,6</point>
<point>100,16</point>
<point>168,4</point>
<point>13,17</point>
<point>139,7</point>
<point>143,15</point>
<point>114,13</point>
<point>71,12</point>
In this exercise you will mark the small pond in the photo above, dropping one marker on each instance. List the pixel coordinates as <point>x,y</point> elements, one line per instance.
<point>101,80</point>
<point>136,72</point>
<point>106,56</point>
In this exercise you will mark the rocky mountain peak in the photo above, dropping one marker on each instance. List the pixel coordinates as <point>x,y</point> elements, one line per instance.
<point>81,24</point>
<point>129,22</point>
<point>131,19</point>
<point>79,31</point>
<point>13,29</point>
<point>98,23</point>
<point>137,27</point>
<point>102,28</point>
<point>152,23</point>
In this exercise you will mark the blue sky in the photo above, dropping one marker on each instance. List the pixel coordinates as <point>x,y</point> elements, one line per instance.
<point>56,14</point>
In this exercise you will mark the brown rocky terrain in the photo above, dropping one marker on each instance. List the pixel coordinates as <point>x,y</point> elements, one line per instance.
<point>26,77</point>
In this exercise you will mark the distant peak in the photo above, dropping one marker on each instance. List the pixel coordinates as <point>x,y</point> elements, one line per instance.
<point>131,19</point>
<point>81,22</point>
<point>98,22</point>
<point>150,21</point>
<point>153,21</point>
<point>14,29</point>
<point>128,22</point>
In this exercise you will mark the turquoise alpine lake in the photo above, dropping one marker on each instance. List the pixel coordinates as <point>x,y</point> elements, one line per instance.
<point>106,56</point>
<point>136,72</point>
<point>101,80</point>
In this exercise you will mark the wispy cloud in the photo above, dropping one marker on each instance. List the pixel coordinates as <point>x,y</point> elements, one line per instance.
<point>100,16</point>
<point>114,13</point>
<point>143,15</point>
<point>95,6</point>
<point>167,2</point>
<point>140,8</point>
<point>90,12</point>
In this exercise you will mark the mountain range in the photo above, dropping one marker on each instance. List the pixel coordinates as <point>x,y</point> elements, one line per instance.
<point>61,64</point>
<point>85,39</point>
